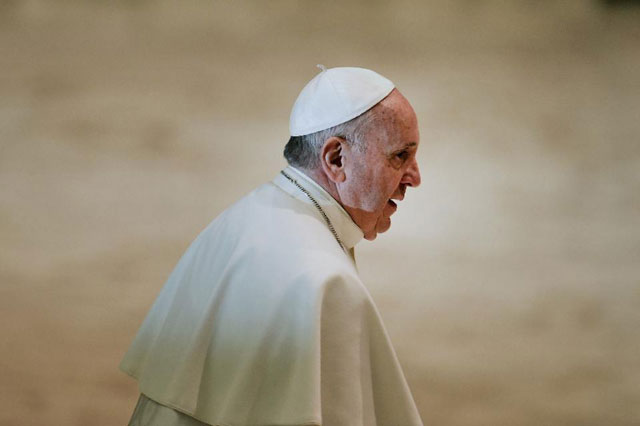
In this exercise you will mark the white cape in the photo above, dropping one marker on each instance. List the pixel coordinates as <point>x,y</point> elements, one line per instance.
<point>264,321</point>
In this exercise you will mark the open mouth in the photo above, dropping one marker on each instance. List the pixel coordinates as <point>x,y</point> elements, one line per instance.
<point>394,205</point>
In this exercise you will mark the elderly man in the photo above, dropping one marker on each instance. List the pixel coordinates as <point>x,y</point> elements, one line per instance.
<point>264,321</point>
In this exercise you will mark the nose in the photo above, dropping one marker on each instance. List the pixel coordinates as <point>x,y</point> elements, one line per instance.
<point>412,175</point>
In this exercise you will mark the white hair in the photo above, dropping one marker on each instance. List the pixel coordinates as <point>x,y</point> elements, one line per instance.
<point>304,151</point>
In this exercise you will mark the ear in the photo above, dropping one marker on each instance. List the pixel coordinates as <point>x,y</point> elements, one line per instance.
<point>332,159</point>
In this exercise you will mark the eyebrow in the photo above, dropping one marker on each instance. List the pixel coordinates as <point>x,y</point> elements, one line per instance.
<point>402,148</point>
<point>407,145</point>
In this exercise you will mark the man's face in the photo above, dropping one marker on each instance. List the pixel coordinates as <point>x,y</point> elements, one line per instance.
<point>379,176</point>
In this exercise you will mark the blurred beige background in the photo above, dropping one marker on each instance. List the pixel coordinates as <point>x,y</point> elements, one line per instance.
<point>509,281</point>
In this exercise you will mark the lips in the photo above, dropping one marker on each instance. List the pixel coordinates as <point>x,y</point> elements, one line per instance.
<point>398,197</point>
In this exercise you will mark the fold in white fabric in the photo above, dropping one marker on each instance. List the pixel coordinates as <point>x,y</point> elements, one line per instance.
<point>150,413</point>
<point>264,321</point>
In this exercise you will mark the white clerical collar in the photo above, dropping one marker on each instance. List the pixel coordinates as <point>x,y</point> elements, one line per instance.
<point>348,232</point>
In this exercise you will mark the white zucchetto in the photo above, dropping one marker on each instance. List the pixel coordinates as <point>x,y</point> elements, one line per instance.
<point>335,96</point>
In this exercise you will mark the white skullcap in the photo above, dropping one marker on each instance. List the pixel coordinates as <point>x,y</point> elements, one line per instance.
<point>335,96</point>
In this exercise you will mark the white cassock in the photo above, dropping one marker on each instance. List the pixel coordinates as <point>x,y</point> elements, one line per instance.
<point>264,321</point>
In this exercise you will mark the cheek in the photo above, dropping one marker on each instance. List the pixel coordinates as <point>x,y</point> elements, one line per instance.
<point>375,189</point>
<point>388,188</point>
<point>372,193</point>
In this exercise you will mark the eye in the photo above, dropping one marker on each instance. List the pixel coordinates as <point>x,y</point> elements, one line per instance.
<point>402,155</point>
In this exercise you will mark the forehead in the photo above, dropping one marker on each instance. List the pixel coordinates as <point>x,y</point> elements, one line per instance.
<point>397,129</point>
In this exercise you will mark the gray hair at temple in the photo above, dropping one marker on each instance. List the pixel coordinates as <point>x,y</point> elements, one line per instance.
<point>304,151</point>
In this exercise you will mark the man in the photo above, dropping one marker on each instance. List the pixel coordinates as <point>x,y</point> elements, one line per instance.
<point>264,321</point>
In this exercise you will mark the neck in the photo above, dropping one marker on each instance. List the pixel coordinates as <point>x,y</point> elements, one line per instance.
<point>328,185</point>
<point>321,179</point>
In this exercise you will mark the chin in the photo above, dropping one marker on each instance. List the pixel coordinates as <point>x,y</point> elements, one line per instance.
<point>379,229</point>
<point>371,236</point>
<point>384,226</point>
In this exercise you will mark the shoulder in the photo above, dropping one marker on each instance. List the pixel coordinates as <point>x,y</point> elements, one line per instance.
<point>273,222</point>
<point>274,234</point>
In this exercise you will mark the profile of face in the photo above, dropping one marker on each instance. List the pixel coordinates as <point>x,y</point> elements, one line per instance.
<point>376,178</point>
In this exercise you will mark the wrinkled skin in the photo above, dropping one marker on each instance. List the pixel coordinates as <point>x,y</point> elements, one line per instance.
<point>368,184</point>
